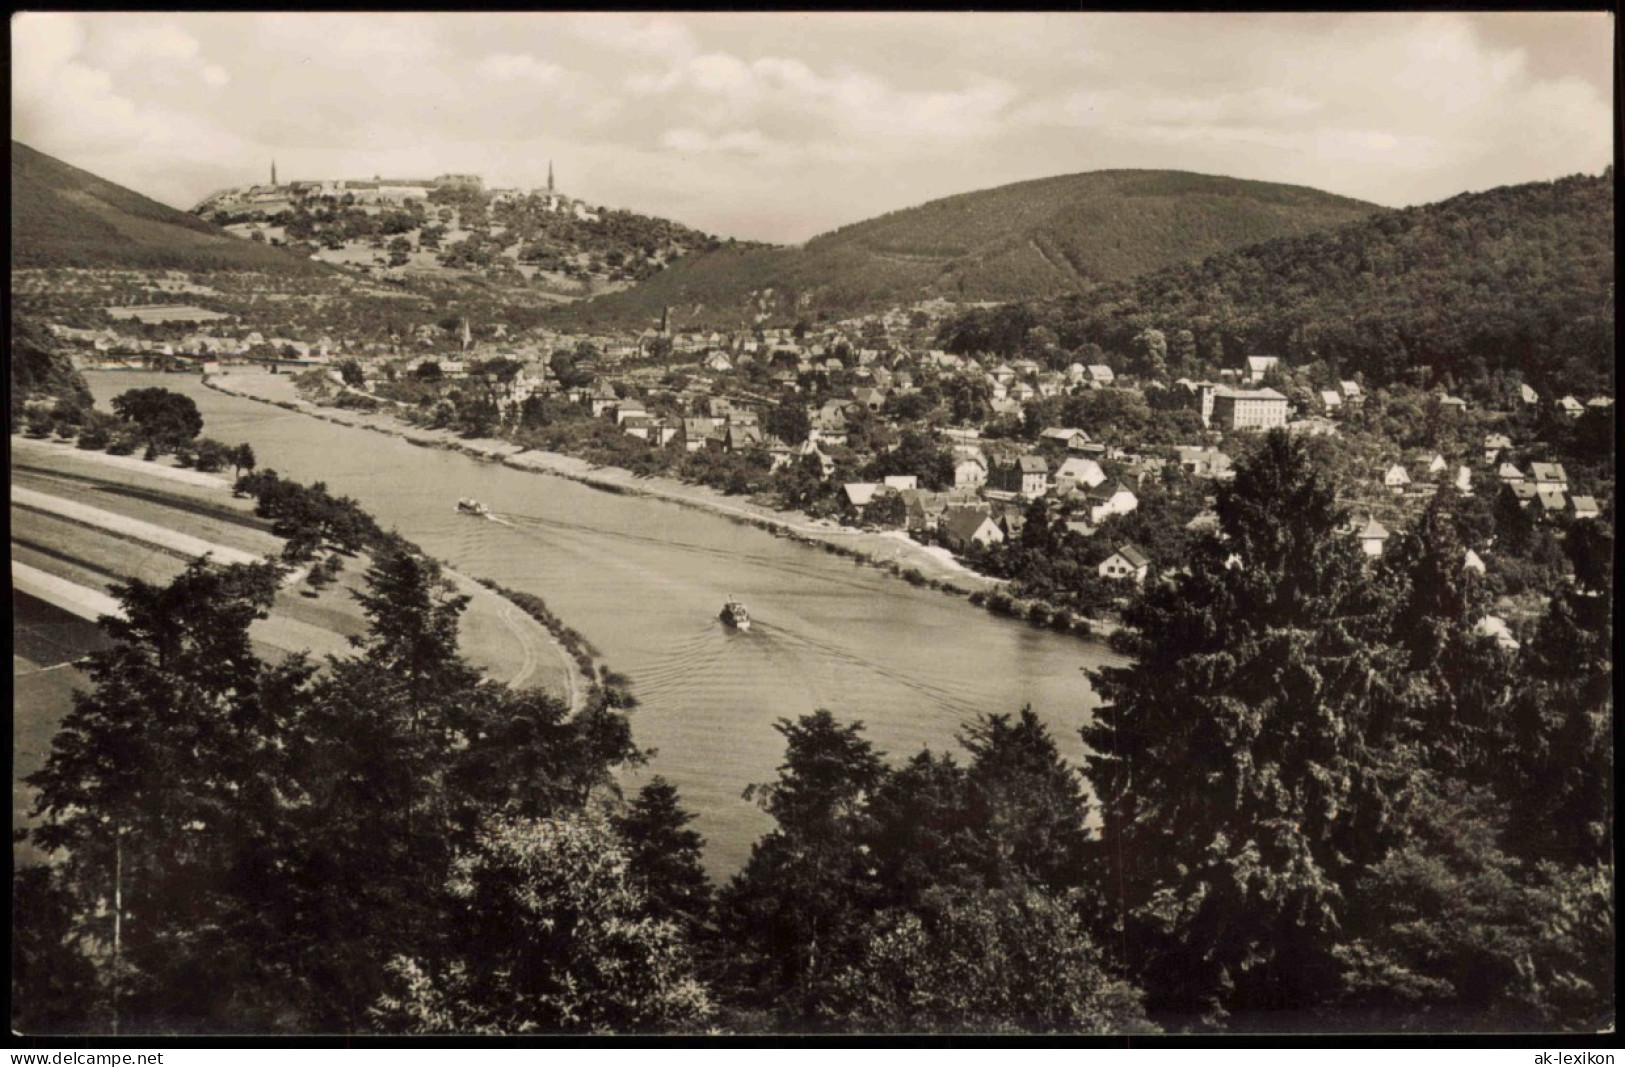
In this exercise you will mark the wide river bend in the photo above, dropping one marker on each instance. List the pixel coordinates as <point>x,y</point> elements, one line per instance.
<point>643,580</point>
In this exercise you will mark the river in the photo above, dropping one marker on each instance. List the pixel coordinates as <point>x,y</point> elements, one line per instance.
<point>643,581</point>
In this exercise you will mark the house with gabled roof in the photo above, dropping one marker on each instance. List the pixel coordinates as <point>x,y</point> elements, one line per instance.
<point>1396,479</point>
<point>966,526</point>
<point>970,469</point>
<point>1494,445</point>
<point>1026,475</point>
<point>1107,499</point>
<point>1584,507</point>
<point>1571,407</point>
<point>1100,374</point>
<point>1548,476</point>
<point>1127,562</point>
<point>859,495</point>
<point>1258,366</point>
<point>1077,472</point>
<point>1372,535</point>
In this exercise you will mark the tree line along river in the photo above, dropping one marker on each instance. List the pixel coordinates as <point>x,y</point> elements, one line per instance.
<point>643,580</point>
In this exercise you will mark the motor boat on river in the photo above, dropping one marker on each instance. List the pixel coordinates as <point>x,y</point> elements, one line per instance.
<point>735,615</point>
<point>470,506</point>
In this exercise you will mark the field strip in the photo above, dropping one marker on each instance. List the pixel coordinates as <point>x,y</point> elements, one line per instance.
<point>131,529</point>
<point>75,599</point>
<point>24,445</point>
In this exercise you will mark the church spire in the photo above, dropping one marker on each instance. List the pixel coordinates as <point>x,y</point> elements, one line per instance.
<point>273,172</point>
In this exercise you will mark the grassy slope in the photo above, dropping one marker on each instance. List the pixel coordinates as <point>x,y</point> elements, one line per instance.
<point>1032,239</point>
<point>62,216</point>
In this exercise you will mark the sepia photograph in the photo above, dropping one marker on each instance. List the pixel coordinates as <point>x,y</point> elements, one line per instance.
<point>793,525</point>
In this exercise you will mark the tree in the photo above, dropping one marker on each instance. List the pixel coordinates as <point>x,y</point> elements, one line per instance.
<point>242,459</point>
<point>161,416</point>
<point>429,371</point>
<point>1227,881</point>
<point>787,421</point>
<point>161,786</point>
<point>350,370</point>
<point>664,857</point>
<point>793,917</point>
<point>1005,961</point>
<point>550,935</point>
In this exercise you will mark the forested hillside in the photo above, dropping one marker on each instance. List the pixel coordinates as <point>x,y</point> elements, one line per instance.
<point>62,216</point>
<point>1028,240</point>
<point>1517,280</point>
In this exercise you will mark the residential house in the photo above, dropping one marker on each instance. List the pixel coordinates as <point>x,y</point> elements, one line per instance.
<point>695,431</point>
<point>902,481</point>
<point>1509,473</point>
<point>923,510</point>
<point>1552,502</point>
<point>1012,522</point>
<point>970,470</point>
<point>716,361</point>
<point>1437,464</point>
<point>1105,500</point>
<point>1571,407</point>
<point>740,438</point>
<point>638,425</point>
<point>873,399</point>
<point>1494,445</point>
<point>1473,562</point>
<point>1352,393</point>
<point>602,398</point>
<point>1100,375</point>
<point>1496,627</point>
<point>1549,476</point>
<point>1021,392</point>
<point>629,408</point>
<point>1584,507</point>
<point>1528,395</point>
<point>1331,400</point>
<point>1127,562</point>
<point>1464,481</point>
<point>1026,475</point>
<point>1452,403</point>
<point>1524,493</point>
<point>966,526</point>
<point>1203,462</point>
<point>826,462</point>
<point>1076,471</point>
<point>1372,537</point>
<point>1240,409</point>
<point>860,495</point>
<point>1258,366</point>
<point>1396,478</point>
<point>1061,434</point>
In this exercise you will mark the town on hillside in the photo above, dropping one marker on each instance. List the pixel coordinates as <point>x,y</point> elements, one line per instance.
<point>1074,475</point>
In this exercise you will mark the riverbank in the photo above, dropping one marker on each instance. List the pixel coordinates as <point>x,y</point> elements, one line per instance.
<point>150,519</point>
<point>891,551</point>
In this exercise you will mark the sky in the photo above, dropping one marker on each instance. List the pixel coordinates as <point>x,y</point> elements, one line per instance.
<point>778,127</point>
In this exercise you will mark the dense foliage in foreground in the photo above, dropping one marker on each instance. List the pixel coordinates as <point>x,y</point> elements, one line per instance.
<point>1326,802</point>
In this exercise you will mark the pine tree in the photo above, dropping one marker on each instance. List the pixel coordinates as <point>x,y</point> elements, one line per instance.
<point>1233,758</point>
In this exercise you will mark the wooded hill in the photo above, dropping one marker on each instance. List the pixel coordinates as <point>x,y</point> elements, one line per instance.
<point>62,216</point>
<point>1514,281</point>
<point>1028,240</point>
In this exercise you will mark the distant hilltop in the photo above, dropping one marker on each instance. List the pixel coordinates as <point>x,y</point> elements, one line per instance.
<point>377,192</point>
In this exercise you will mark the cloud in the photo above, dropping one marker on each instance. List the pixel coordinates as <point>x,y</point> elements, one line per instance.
<point>518,67</point>
<point>792,122</point>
